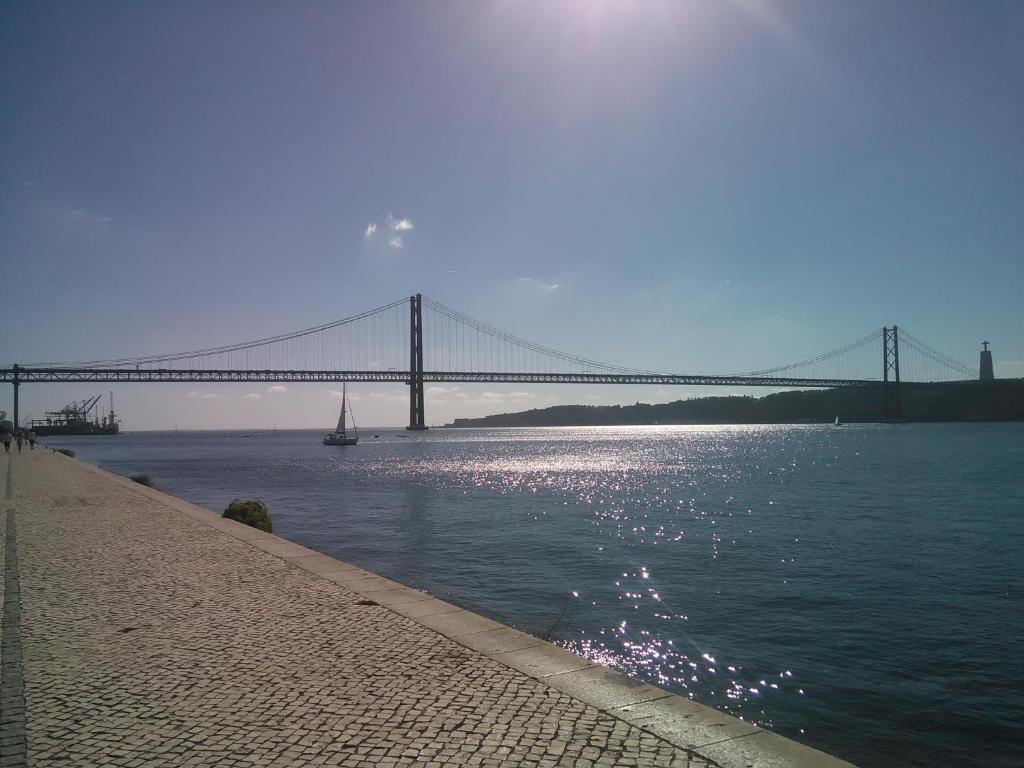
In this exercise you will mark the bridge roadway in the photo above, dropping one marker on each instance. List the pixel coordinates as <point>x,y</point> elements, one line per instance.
<point>140,630</point>
<point>142,375</point>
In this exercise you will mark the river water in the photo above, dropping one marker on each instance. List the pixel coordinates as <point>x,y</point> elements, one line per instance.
<point>857,588</point>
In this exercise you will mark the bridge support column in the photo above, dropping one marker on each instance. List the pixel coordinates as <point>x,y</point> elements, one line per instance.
<point>416,405</point>
<point>891,405</point>
<point>17,386</point>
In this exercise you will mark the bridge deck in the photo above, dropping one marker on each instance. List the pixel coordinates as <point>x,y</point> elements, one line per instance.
<point>150,375</point>
<point>141,630</point>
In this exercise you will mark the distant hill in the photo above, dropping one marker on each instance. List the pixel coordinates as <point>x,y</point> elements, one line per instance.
<point>969,401</point>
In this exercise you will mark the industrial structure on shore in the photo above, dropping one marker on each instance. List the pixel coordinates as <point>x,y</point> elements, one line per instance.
<point>79,417</point>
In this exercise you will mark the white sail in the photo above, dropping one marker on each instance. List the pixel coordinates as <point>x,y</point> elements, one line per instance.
<point>341,419</point>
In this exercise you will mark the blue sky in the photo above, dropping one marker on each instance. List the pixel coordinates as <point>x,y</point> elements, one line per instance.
<point>702,186</point>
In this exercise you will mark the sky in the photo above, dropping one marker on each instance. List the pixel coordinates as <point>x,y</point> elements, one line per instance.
<point>675,186</point>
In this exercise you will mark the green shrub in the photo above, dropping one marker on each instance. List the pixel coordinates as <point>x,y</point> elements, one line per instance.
<point>145,480</point>
<point>252,513</point>
<point>66,452</point>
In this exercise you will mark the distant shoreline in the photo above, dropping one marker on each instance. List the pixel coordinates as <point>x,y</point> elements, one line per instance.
<point>991,402</point>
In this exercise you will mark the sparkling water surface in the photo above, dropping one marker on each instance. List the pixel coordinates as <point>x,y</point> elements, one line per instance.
<point>857,588</point>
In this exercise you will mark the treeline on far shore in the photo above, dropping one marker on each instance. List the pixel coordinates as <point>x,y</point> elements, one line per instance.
<point>1002,400</point>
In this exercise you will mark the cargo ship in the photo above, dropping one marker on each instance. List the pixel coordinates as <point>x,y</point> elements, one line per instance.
<point>79,417</point>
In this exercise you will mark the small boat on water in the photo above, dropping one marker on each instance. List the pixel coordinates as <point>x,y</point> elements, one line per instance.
<point>838,422</point>
<point>339,436</point>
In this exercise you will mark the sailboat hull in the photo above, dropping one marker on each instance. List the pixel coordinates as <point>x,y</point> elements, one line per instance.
<point>336,439</point>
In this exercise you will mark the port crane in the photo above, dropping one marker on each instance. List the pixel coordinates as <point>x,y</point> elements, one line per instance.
<point>79,417</point>
<point>76,410</point>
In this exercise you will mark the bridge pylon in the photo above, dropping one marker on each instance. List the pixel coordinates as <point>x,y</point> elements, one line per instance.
<point>17,384</point>
<point>416,405</point>
<point>891,405</point>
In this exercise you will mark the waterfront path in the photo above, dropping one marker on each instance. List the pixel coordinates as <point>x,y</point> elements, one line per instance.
<point>139,630</point>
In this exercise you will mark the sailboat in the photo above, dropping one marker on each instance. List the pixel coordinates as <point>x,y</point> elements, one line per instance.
<point>339,436</point>
<point>838,422</point>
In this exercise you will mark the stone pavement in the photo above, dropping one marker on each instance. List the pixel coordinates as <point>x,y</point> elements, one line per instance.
<point>139,630</point>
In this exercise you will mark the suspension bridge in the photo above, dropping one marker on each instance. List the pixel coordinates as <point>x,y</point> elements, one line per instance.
<point>418,340</point>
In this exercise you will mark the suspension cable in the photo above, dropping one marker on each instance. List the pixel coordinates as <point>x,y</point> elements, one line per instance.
<point>232,347</point>
<point>935,355</point>
<point>490,330</point>
<point>820,358</point>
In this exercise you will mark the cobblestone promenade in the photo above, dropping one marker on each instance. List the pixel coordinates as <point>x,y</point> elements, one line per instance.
<point>141,631</point>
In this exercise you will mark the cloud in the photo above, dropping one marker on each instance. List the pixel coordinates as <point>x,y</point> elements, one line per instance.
<point>400,225</point>
<point>532,282</point>
<point>251,396</point>
<point>82,215</point>
<point>277,388</point>
<point>196,395</point>
<point>395,225</point>
<point>441,390</point>
<point>384,397</point>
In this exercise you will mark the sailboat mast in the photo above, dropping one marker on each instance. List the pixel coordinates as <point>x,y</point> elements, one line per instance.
<point>341,420</point>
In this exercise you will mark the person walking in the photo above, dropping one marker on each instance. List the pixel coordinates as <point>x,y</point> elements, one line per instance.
<point>7,442</point>
<point>31,435</point>
<point>19,439</point>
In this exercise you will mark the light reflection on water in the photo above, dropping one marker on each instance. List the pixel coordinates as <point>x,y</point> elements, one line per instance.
<point>835,584</point>
<point>641,493</point>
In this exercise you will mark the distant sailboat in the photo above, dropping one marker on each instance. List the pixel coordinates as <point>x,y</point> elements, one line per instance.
<point>838,423</point>
<point>339,436</point>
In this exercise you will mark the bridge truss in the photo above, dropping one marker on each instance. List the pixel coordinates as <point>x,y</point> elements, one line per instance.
<point>434,343</point>
<point>154,375</point>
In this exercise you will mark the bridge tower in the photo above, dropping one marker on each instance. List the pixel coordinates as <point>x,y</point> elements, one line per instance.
<point>17,385</point>
<point>416,415</point>
<point>891,405</point>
